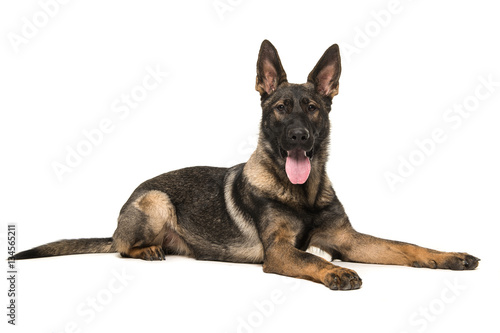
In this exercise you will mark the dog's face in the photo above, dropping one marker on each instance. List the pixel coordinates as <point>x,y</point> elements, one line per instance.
<point>295,123</point>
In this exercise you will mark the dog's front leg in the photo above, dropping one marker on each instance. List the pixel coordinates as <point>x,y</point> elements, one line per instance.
<point>282,257</point>
<point>340,239</point>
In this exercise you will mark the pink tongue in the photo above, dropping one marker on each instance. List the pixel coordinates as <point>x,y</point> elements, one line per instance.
<point>297,166</point>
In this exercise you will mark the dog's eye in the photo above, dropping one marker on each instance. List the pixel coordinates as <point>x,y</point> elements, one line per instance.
<point>281,108</point>
<point>311,108</point>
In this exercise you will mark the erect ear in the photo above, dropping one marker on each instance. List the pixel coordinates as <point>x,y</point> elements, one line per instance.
<point>325,75</point>
<point>270,72</point>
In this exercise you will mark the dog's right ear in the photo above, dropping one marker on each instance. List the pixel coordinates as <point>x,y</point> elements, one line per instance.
<point>270,72</point>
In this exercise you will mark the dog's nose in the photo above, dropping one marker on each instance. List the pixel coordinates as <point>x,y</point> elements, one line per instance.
<point>298,135</point>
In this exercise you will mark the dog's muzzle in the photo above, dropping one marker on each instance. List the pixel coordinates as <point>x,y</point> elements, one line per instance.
<point>297,149</point>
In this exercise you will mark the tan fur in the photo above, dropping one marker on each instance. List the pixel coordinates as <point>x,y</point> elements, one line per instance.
<point>120,246</point>
<point>162,219</point>
<point>258,173</point>
<point>261,217</point>
<point>278,115</point>
<point>283,258</point>
<point>159,209</point>
<point>363,248</point>
<point>252,250</point>
<point>154,251</point>
<point>259,87</point>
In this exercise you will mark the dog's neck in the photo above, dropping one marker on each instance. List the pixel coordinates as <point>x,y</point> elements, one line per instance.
<point>270,178</point>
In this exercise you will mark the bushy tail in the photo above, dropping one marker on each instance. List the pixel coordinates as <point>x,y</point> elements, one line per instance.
<point>69,246</point>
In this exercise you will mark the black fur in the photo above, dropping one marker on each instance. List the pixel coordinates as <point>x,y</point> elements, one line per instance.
<point>269,210</point>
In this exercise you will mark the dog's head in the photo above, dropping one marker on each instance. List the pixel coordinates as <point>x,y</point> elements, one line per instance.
<point>295,126</point>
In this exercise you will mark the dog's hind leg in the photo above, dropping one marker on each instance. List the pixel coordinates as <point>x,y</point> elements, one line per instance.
<point>147,228</point>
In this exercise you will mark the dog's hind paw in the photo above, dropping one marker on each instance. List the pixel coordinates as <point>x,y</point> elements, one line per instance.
<point>154,252</point>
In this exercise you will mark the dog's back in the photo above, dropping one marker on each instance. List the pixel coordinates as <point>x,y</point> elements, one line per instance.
<point>270,209</point>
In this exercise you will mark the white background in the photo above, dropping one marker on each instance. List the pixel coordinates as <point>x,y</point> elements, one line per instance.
<point>414,65</point>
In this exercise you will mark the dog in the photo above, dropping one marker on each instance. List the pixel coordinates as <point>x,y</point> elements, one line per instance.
<point>269,210</point>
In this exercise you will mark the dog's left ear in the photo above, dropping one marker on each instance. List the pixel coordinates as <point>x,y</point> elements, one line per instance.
<point>325,75</point>
<point>270,72</point>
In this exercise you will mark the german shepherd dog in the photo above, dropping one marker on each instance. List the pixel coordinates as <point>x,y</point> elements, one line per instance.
<point>269,210</point>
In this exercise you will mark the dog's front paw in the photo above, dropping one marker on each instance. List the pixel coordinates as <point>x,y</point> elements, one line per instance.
<point>460,262</point>
<point>340,278</point>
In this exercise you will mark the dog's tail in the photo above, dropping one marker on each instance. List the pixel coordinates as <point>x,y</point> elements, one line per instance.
<point>69,246</point>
